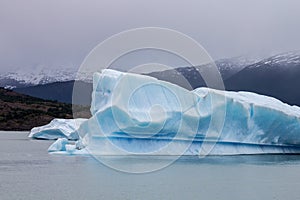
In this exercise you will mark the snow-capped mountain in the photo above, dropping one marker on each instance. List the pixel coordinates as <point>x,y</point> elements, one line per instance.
<point>21,78</point>
<point>190,77</point>
<point>231,66</point>
<point>289,59</point>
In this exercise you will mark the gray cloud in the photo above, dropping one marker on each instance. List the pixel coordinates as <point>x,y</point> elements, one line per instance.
<point>61,32</point>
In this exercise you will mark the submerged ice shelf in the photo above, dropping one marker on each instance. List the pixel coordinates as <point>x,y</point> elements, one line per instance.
<point>137,114</point>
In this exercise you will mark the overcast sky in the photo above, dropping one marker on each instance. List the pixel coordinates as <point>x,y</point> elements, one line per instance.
<point>62,32</point>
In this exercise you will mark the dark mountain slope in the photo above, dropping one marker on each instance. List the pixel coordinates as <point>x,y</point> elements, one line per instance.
<point>278,76</point>
<point>22,112</point>
<point>59,91</point>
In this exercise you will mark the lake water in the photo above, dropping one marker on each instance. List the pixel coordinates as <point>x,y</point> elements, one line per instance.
<point>27,171</point>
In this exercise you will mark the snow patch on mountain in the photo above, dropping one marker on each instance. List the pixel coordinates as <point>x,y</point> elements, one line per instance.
<point>23,78</point>
<point>290,59</point>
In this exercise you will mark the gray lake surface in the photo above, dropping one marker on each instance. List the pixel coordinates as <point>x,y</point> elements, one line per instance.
<point>27,171</point>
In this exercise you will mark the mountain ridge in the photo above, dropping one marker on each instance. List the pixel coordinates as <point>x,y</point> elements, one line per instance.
<point>276,76</point>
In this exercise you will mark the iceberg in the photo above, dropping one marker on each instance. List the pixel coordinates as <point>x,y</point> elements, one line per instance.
<point>59,145</point>
<point>58,128</point>
<point>141,115</point>
<point>63,145</point>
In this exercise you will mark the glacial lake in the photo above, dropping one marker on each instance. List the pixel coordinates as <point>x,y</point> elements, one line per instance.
<point>27,171</point>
